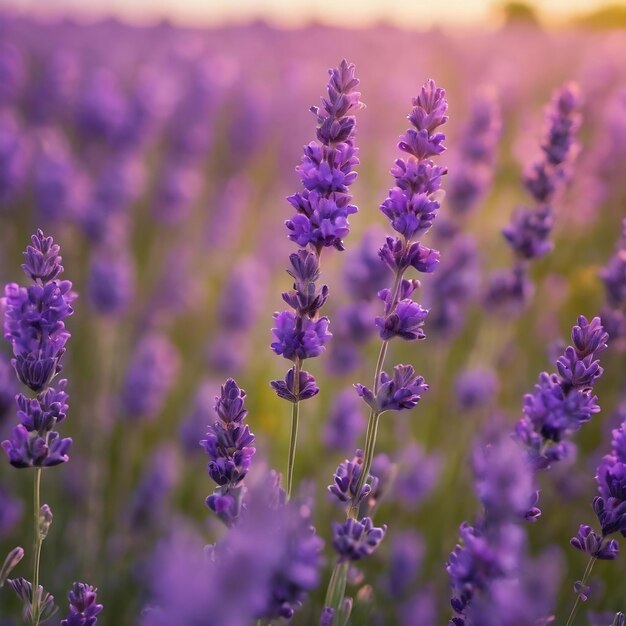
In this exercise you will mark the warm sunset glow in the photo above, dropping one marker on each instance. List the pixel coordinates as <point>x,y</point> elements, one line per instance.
<point>421,13</point>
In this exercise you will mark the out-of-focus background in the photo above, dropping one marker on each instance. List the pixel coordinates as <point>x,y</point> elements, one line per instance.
<point>157,141</point>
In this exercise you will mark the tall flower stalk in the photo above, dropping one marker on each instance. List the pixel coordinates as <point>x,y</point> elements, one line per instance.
<point>411,207</point>
<point>34,326</point>
<point>321,221</point>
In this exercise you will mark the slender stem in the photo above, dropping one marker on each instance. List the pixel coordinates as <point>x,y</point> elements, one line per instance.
<point>337,585</point>
<point>36,547</point>
<point>583,582</point>
<point>293,439</point>
<point>368,456</point>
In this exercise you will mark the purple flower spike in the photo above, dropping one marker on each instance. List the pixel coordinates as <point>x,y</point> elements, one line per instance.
<point>29,449</point>
<point>355,540</point>
<point>228,445</point>
<point>42,260</point>
<point>34,326</point>
<point>402,391</point>
<point>327,168</point>
<point>84,608</point>
<point>149,377</point>
<point>590,543</point>
<point>561,403</point>
<point>429,112</point>
<point>529,232</point>
<point>34,318</point>
<point>406,322</point>
<point>346,478</point>
<point>304,342</point>
<point>285,389</point>
<point>399,257</point>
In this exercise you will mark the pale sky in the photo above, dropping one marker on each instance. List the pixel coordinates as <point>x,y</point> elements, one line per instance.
<point>419,13</point>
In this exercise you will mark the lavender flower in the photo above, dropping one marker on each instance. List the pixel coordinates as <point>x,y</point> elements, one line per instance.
<point>230,450</point>
<point>590,543</point>
<point>562,402</point>
<point>83,606</point>
<point>34,326</point>
<point>355,540</point>
<point>474,170</point>
<point>34,316</point>
<point>149,376</point>
<point>327,168</point>
<point>397,393</point>
<point>346,479</point>
<point>475,388</point>
<point>528,233</point>
<point>111,283</point>
<point>344,423</point>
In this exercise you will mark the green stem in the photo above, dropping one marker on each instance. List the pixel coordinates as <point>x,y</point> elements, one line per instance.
<point>337,586</point>
<point>36,600</point>
<point>293,439</point>
<point>368,456</point>
<point>583,582</point>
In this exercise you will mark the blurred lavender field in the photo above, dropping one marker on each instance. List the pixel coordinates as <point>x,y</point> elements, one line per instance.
<point>159,158</point>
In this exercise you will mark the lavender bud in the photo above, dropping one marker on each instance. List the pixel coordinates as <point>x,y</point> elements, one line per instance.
<point>83,606</point>
<point>45,521</point>
<point>590,543</point>
<point>354,540</point>
<point>10,563</point>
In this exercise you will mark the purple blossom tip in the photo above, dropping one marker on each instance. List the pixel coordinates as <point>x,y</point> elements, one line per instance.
<point>401,391</point>
<point>355,540</point>
<point>285,389</point>
<point>590,543</point>
<point>84,608</point>
<point>299,338</point>
<point>42,260</point>
<point>346,479</point>
<point>406,321</point>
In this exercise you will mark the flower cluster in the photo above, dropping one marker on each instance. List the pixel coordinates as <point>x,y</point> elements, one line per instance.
<point>149,376</point>
<point>84,607</point>
<point>610,505</point>
<point>229,446</point>
<point>323,207</point>
<point>399,392</point>
<point>262,569</point>
<point>327,167</point>
<point>302,334</point>
<point>346,479</point>
<point>473,170</point>
<point>614,279</point>
<point>528,234</point>
<point>561,402</point>
<point>411,207</point>
<point>34,326</point>
<point>491,552</point>
<point>357,539</point>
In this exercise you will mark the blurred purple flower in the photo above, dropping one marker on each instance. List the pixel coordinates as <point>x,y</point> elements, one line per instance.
<point>475,388</point>
<point>345,422</point>
<point>84,608</point>
<point>149,376</point>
